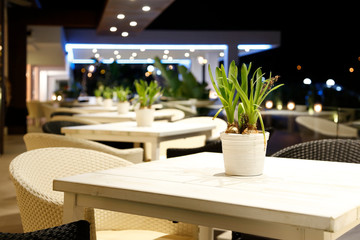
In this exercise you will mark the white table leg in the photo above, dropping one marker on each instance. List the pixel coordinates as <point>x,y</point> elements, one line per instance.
<point>206,233</point>
<point>72,212</point>
<point>155,150</point>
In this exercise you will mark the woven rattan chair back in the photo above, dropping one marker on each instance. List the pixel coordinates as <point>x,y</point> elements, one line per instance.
<point>79,230</point>
<point>214,146</point>
<point>40,207</point>
<point>55,126</point>
<point>44,140</point>
<point>337,150</point>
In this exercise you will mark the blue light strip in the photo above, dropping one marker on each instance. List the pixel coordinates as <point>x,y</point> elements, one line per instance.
<point>185,62</point>
<point>70,46</point>
<point>254,46</point>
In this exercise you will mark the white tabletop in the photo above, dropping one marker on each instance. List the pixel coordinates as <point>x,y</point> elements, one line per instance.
<point>130,132</point>
<point>159,129</point>
<point>109,117</point>
<point>94,109</point>
<point>293,199</point>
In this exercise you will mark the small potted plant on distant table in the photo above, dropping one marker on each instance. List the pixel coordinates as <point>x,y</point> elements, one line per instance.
<point>244,147</point>
<point>147,94</point>
<point>98,94</point>
<point>108,95</point>
<point>122,94</point>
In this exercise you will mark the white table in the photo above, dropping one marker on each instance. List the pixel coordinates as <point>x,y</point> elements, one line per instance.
<point>96,109</point>
<point>291,115</point>
<point>294,199</point>
<point>110,117</point>
<point>130,132</point>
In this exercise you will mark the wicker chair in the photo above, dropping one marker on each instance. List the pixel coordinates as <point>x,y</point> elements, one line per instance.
<point>316,128</point>
<point>177,114</point>
<point>337,150</point>
<point>73,118</point>
<point>44,140</point>
<point>55,126</point>
<point>35,112</point>
<point>79,230</point>
<point>198,141</point>
<point>33,172</point>
<point>214,146</point>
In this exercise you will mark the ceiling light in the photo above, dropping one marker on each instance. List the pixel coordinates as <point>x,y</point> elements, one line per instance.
<point>146,8</point>
<point>330,82</point>
<point>124,34</point>
<point>187,54</point>
<point>116,52</point>
<point>118,56</point>
<point>91,68</point>
<point>142,49</point>
<point>165,56</point>
<point>134,54</point>
<point>166,51</point>
<point>97,55</point>
<point>94,50</point>
<point>120,16</point>
<point>133,23</point>
<point>113,29</point>
<point>307,81</point>
<point>192,50</point>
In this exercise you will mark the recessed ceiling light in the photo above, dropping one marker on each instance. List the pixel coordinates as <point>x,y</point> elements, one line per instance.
<point>187,54</point>
<point>166,51</point>
<point>134,54</point>
<point>118,56</point>
<point>133,23</point>
<point>97,55</point>
<point>116,52</point>
<point>120,16</point>
<point>146,8</point>
<point>124,34</point>
<point>94,50</point>
<point>113,29</point>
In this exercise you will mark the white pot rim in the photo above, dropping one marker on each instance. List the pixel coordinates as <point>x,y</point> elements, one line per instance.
<point>247,137</point>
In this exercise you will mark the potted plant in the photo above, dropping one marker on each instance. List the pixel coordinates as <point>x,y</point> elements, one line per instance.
<point>147,94</point>
<point>244,147</point>
<point>98,94</point>
<point>108,95</point>
<point>122,94</point>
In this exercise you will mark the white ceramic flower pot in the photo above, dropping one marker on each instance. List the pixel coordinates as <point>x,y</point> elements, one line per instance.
<point>99,100</point>
<point>123,107</point>
<point>244,154</point>
<point>145,117</point>
<point>107,103</point>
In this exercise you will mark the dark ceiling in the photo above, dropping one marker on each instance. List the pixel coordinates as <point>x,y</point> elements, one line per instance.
<point>323,38</point>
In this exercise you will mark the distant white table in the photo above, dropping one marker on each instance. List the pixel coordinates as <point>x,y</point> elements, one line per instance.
<point>291,115</point>
<point>130,132</point>
<point>96,109</point>
<point>294,199</point>
<point>110,117</point>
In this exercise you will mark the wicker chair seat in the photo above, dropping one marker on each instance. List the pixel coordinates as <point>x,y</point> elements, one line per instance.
<point>40,207</point>
<point>79,230</point>
<point>337,150</point>
<point>44,140</point>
